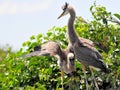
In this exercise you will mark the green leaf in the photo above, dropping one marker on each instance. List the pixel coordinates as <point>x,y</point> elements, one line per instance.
<point>24,44</point>
<point>105,21</point>
<point>39,35</point>
<point>91,8</point>
<point>117,15</point>
<point>32,37</point>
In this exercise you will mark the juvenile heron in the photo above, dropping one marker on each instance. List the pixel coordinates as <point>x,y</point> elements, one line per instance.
<point>86,54</point>
<point>65,57</point>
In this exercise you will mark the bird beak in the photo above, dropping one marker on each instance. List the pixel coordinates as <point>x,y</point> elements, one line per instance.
<point>63,13</point>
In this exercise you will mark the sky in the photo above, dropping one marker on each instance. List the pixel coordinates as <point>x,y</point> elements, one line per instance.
<point>20,19</point>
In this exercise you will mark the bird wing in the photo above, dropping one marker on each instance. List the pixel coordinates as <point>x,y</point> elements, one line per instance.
<point>88,56</point>
<point>87,42</point>
<point>36,53</point>
<point>90,45</point>
<point>84,43</point>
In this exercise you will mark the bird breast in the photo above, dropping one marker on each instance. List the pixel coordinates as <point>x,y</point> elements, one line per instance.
<point>63,64</point>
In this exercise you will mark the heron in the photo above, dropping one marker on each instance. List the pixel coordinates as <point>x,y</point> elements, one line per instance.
<point>65,57</point>
<point>86,54</point>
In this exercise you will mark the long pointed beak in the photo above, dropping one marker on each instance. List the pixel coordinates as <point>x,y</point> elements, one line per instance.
<point>62,14</point>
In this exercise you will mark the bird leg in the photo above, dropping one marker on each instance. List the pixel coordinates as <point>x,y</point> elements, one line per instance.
<point>62,77</point>
<point>76,84</point>
<point>93,77</point>
<point>83,68</point>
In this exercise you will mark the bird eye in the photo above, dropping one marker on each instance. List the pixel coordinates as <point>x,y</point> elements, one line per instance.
<point>65,6</point>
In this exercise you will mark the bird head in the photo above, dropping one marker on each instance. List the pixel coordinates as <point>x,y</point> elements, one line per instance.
<point>65,10</point>
<point>70,56</point>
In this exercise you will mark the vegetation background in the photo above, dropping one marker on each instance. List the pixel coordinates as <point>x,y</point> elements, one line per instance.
<point>42,73</point>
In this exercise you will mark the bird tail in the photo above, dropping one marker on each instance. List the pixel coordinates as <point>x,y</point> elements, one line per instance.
<point>104,67</point>
<point>106,70</point>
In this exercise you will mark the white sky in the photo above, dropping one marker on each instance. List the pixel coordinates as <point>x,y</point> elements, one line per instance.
<point>19,19</point>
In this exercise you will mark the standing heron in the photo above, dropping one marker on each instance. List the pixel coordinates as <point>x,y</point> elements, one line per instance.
<point>65,57</point>
<point>86,54</point>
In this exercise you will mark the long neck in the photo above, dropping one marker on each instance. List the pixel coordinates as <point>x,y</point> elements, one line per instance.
<point>60,55</point>
<point>72,36</point>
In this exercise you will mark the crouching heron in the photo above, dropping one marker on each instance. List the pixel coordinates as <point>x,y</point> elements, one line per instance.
<point>65,57</point>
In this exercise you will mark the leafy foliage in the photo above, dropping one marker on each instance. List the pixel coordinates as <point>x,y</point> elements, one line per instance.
<point>117,15</point>
<point>2,54</point>
<point>42,73</point>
